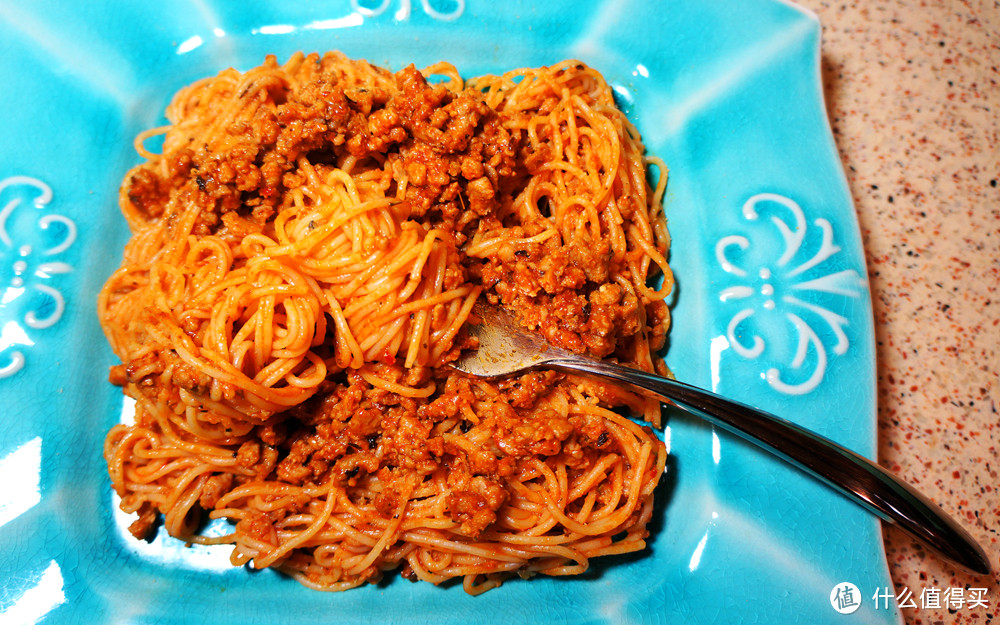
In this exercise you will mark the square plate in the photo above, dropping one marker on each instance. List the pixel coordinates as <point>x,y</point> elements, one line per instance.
<point>771,307</point>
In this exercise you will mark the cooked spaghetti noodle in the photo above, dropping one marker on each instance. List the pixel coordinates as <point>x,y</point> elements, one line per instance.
<point>305,253</point>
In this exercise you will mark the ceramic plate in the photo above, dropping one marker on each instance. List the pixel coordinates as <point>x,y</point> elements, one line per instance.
<point>772,306</point>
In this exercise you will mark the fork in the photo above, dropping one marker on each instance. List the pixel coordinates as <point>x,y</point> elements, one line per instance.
<point>505,349</point>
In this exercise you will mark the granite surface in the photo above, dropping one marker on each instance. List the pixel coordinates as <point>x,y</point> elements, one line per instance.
<point>913,96</point>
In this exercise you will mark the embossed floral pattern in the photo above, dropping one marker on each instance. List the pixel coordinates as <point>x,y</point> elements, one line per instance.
<point>443,10</point>
<point>795,296</point>
<point>29,258</point>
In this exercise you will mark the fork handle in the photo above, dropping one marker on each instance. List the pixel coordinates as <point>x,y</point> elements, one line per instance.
<point>847,472</point>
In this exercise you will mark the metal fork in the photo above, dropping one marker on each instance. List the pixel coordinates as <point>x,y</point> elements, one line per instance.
<point>506,349</point>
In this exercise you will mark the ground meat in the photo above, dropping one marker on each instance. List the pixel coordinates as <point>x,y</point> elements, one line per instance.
<point>260,527</point>
<point>453,147</point>
<point>474,505</point>
<point>553,293</point>
<point>215,487</point>
<point>356,429</point>
<point>143,526</point>
<point>524,390</point>
<point>117,375</point>
<point>538,433</point>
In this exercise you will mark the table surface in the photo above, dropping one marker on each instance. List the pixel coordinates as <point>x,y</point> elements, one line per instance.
<point>913,97</point>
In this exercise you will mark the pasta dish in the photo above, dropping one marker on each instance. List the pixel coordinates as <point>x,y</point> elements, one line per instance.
<point>306,249</point>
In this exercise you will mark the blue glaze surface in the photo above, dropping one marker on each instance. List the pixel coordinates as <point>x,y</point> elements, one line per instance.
<point>771,307</point>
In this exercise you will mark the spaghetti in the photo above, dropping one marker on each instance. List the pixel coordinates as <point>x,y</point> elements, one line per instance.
<point>305,252</point>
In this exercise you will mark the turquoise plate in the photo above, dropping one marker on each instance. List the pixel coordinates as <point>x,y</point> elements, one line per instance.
<point>772,305</point>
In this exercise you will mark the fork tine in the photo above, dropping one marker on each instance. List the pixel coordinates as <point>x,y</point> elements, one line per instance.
<point>504,347</point>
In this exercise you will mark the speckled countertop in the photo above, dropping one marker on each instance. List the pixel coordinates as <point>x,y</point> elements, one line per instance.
<point>913,96</point>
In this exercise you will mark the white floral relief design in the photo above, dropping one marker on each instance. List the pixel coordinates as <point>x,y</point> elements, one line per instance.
<point>29,257</point>
<point>375,8</point>
<point>799,287</point>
